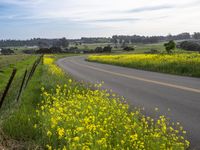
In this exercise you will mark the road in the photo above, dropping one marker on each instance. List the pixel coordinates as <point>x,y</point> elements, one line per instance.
<point>148,90</point>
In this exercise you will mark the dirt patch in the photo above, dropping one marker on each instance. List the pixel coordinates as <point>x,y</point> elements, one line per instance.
<point>7,143</point>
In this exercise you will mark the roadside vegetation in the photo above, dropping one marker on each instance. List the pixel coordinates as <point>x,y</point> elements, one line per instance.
<point>7,63</point>
<point>181,64</point>
<point>57,112</point>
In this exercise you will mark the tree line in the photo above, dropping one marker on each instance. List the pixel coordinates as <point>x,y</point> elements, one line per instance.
<point>121,39</point>
<point>116,39</point>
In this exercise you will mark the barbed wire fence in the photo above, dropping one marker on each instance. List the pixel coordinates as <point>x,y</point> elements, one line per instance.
<point>21,84</point>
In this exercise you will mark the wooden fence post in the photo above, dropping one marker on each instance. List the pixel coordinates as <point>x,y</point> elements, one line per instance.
<point>7,87</point>
<point>30,74</point>
<point>21,87</point>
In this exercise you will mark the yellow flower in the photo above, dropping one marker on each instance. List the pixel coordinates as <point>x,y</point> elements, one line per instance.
<point>61,132</point>
<point>49,147</point>
<point>134,137</point>
<point>49,133</point>
<point>76,139</point>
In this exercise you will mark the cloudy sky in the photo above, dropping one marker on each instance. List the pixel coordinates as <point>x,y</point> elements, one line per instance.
<point>24,19</point>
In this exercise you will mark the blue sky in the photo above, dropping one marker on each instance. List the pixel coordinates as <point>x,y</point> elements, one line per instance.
<point>24,19</point>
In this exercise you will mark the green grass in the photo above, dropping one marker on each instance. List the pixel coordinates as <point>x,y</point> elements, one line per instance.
<point>180,64</point>
<point>21,63</point>
<point>19,124</point>
<point>75,110</point>
<point>7,63</point>
<point>139,48</point>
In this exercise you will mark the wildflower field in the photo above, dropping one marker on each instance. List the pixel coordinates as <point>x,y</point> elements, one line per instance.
<point>64,114</point>
<point>180,64</point>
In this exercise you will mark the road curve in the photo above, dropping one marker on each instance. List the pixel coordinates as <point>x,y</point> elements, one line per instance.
<point>149,90</point>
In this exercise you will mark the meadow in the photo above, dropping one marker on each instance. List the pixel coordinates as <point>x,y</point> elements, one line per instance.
<point>180,64</point>
<point>56,112</point>
<point>7,63</point>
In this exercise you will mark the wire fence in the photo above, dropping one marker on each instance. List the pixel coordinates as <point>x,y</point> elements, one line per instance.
<point>21,84</point>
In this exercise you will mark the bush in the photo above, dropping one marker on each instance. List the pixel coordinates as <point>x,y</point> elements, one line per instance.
<point>73,48</point>
<point>107,49</point>
<point>171,45</point>
<point>152,51</point>
<point>98,50</point>
<point>6,51</point>
<point>127,48</point>
<point>51,50</point>
<point>189,46</point>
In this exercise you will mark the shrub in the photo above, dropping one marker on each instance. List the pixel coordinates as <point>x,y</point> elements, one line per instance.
<point>171,45</point>
<point>127,48</point>
<point>190,46</point>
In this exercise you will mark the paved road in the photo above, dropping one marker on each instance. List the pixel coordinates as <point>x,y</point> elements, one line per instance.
<point>146,89</point>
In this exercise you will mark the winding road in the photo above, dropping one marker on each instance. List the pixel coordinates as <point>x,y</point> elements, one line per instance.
<point>176,97</point>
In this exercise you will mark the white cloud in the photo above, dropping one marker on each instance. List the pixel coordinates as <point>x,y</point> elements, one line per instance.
<point>118,16</point>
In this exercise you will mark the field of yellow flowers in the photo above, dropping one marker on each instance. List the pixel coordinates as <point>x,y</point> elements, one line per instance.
<point>181,64</point>
<point>72,116</point>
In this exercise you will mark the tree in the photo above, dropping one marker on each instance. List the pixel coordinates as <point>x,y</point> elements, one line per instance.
<point>7,51</point>
<point>171,45</point>
<point>42,44</point>
<point>98,50</point>
<point>190,46</point>
<point>64,42</point>
<point>127,48</point>
<point>107,49</point>
<point>196,35</point>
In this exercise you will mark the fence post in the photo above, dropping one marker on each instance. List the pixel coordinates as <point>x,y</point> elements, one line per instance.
<point>36,63</point>
<point>21,87</point>
<point>30,74</point>
<point>7,87</point>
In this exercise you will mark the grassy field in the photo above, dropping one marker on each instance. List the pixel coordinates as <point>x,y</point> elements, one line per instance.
<point>7,63</point>
<point>21,62</point>
<point>139,48</point>
<point>181,64</point>
<point>57,112</point>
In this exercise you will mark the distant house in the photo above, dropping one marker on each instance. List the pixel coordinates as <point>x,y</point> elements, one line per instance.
<point>0,51</point>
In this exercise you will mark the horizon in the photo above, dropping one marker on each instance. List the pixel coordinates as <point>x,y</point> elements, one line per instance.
<point>23,20</point>
<point>96,37</point>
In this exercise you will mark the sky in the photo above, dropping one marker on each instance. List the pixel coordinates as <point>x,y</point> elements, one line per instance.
<point>25,19</point>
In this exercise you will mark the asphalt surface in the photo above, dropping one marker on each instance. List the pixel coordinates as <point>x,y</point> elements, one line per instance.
<point>148,90</point>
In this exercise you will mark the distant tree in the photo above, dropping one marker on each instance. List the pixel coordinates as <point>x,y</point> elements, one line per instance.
<point>189,46</point>
<point>42,44</point>
<point>171,45</point>
<point>55,50</point>
<point>7,51</point>
<point>124,44</point>
<point>107,49</point>
<point>183,36</point>
<point>115,41</point>
<point>64,42</point>
<point>98,50</point>
<point>152,51</point>
<point>196,35</point>
<point>127,48</point>
<point>73,48</point>
<point>120,41</point>
<point>76,44</point>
